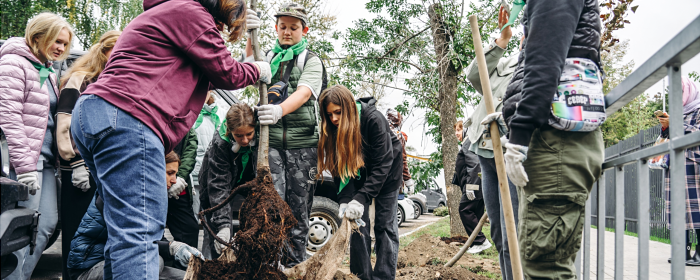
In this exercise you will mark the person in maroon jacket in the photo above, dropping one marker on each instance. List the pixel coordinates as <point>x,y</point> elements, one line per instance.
<point>146,99</point>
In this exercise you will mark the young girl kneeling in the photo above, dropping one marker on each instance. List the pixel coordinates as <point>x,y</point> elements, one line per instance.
<point>229,161</point>
<point>359,149</point>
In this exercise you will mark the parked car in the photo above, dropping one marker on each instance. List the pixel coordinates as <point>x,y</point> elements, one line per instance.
<point>420,202</point>
<point>406,210</point>
<point>18,225</point>
<point>434,196</point>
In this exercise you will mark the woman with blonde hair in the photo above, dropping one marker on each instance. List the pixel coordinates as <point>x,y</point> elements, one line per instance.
<point>358,147</point>
<point>83,72</point>
<point>28,96</point>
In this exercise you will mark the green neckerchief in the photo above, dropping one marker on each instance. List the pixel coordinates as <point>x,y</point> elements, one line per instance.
<point>43,71</point>
<point>222,132</point>
<point>344,181</point>
<point>211,113</point>
<point>514,11</point>
<point>245,152</point>
<point>285,54</point>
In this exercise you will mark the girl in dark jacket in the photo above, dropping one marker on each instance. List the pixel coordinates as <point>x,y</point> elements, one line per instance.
<point>229,161</point>
<point>372,176</point>
<point>80,192</point>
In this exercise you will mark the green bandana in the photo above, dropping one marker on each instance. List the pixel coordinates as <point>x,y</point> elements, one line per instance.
<point>344,181</point>
<point>212,114</point>
<point>514,11</point>
<point>245,152</point>
<point>43,71</point>
<point>222,132</point>
<point>285,54</point>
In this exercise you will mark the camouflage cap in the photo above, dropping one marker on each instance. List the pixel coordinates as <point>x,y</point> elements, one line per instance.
<point>292,10</point>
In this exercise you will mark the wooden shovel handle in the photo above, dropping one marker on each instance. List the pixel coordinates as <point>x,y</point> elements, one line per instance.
<point>498,153</point>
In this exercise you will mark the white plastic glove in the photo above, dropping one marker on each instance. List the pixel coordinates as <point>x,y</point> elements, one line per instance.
<point>81,178</point>
<point>470,195</point>
<point>252,21</point>
<point>177,188</point>
<point>341,210</point>
<point>183,252</point>
<point>225,234</point>
<point>494,117</point>
<point>265,71</point>
<point>410,185</point>
<point>30,179</point>
<point>515,156</point>
<point>354,210</point>
<point>269,114</point>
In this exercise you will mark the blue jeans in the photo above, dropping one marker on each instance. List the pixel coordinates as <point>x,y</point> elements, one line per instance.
<point>492,199</point>
<point>127,161</point>
<point>46,202</point>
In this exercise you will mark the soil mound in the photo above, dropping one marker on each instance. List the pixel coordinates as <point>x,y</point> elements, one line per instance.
<point>429,250</point>
<point>438,272</point>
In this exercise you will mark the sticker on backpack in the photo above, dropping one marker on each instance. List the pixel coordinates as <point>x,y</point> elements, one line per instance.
<point>579,103</point>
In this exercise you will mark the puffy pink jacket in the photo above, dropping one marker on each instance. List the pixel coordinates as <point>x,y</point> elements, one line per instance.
<point>24,106</point>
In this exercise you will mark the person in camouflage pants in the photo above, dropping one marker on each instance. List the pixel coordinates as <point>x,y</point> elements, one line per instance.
<point>293,173</point>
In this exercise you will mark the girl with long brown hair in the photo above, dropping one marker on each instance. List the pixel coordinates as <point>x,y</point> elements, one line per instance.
<point>77,187</point>
<point>358,147</point>
<point>230,161</point>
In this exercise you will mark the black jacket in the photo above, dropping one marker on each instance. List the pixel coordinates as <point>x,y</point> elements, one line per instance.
<point>382,153</point>
<point>218,177</point>
<point>467,169</point>
<point>562,29</point>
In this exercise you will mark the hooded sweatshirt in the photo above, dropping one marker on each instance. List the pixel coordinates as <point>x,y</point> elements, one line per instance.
<point>163,64</point>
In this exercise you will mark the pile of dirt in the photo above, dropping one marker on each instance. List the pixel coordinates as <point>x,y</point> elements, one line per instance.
<point>458,239</point>
<point>438,272</point>
<point>430,250</point>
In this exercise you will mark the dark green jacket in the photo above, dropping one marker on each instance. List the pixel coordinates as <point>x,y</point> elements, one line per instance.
<point>187,150</point>
<point>298,129</point>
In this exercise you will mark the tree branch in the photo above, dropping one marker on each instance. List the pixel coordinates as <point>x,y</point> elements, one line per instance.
<point>404,41</point>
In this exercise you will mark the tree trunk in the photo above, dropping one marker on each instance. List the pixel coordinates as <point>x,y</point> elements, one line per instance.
<point>447,98</point>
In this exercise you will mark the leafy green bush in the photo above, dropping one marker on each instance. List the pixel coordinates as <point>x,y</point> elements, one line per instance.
<point>441,211</point>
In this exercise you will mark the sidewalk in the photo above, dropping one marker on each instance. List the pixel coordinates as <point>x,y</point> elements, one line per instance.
<point>659,268</point>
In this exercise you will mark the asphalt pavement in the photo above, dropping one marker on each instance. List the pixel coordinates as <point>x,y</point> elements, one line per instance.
<point>49,267</point>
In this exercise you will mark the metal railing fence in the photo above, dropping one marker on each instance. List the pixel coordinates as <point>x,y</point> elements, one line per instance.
<point>666,62</point>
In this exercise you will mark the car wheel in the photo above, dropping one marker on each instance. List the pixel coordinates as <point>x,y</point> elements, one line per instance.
<point>417,210</point>
<point>323,223</point>
<point>400,215</point>
<point>441,204</point>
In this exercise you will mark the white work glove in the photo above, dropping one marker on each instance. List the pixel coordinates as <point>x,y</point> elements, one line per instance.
<point>409,185</point>
<point>252,21</point>
<point>354,210</point>
<point>265,71</point>
<point>515,156</point>
<point>30,179</point>
<point>224,234</point>
<point>81,178</point>
<point>269,114</point>
<point>177,188</point>
<point>183,252</point>
<point>494,117</point>
<point>341,210</point>
<point>470,195</point>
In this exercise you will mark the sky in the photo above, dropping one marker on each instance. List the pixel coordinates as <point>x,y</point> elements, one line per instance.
<point>651,27</point>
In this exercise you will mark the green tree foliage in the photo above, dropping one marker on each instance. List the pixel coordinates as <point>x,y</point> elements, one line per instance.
<point>90,19</point>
